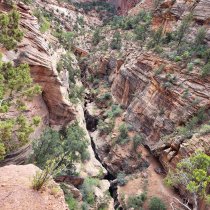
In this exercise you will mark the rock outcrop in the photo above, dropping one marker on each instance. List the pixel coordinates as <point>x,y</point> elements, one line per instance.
<point>123,6</point>
<point>152,96</point>
<point>16,193</point>
<point>51,105</point>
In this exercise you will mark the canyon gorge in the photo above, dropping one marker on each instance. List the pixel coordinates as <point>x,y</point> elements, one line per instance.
<point>135,76</point>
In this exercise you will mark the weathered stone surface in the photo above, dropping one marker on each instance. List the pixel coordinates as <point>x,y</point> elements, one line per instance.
<point>151,96</point>
<point>123,6</point>
<point>72,190</point>
<point>114,159</point>
<point>51,105</point>
<point>202,11</point>
<point>76,181</point>
<point>16,193</point>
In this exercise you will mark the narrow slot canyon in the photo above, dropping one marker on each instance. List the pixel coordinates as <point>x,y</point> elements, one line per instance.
<point>91,125</point>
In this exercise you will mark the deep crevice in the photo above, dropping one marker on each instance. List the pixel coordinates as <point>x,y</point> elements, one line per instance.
<point>91,124</point>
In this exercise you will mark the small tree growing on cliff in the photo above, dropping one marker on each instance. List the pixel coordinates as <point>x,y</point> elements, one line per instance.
<point>9,32</point>
<point>141,33</point>
<point>155,37</point>
<point>192,173</point>
<point>15,88</point>
<point>116,42</point>
<point>184,27</point>
<point>52,144</point>
<point>96,36</point>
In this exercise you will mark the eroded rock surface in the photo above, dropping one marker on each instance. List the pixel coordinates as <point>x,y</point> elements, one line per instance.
<point>16,193</point>
<point>123,6</point>
<point>51,105</point>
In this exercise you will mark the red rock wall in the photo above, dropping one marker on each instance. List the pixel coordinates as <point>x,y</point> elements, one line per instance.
<point>51,105</point>
<point>123,6</point>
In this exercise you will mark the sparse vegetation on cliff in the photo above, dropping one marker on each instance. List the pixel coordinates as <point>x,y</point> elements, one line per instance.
<point>15,88</point>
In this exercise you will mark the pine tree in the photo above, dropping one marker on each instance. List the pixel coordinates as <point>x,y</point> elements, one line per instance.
<point>52,144</point>
<point>96,36</point>
<point>141,33</point>
<point>116,42</point>
<point>15,88</point>
<point>184,27</point>
<point>201,35</point>
<point>9,32</point>
<point>155,37</point>
<point>192,173</point>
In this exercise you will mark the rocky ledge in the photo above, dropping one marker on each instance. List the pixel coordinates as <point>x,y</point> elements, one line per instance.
<point>16,193</point>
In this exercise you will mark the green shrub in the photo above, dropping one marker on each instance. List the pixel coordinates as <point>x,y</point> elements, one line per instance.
<point>87,189</point>
<point>121,179</point>
<point>205,70</point>
<point>116,42</point>
<point>129,127</point>
<point>201,115</point>
<point>157,204</point>
<point>196,102</point>
<point>136,201</point>
<point>190,66</point>
<point>27,2</point>
<point>161,111</point>
<point>190,125</point>
<point>85,206</point>
<point>186,55</point>
<point>76,94</point>
<point>72,203</point>
<point>122,106</point>
<point>106,96</point>
<point>177,58</point>
<point>197,61</point>
<point>116,110</point>
<point>45,26</point>
<point>158,49</point>
<point>109,114</point>
<point>206,55</point>
<point>167,38</point>
<point>159,70</point>
<point>96,82</point>
<point>168,84</point>
<point>59,67</point>
<point>200,37</point>
<point>106,127</point>
<point>204,129</point>
<point>96,36</point>
<point>155,37</point>
<point>49,147</point>
<point>123,136</point>
<point>137,140</point>
<point>186,92</point>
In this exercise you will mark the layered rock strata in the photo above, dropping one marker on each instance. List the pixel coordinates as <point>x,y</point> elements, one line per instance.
<point>52,105</point>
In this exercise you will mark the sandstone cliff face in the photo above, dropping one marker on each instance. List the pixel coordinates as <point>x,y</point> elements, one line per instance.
<point>51,105</point>
<point>16,193</point>
<point>67,14</point>
<point>152,96</point>
<point>123,6</point>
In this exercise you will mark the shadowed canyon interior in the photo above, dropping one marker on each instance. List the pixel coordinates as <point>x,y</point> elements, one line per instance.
<point>123,105</point>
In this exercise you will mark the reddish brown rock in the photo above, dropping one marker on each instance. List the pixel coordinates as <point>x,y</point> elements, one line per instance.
<point>16,193</point>
<point>151,96</point>
<point>51,105</point>
<point>76,181</point>
<point>123,6</point>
